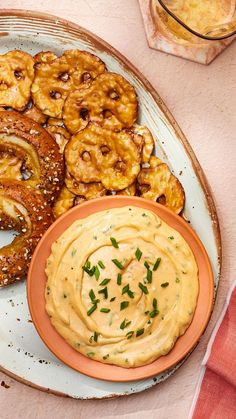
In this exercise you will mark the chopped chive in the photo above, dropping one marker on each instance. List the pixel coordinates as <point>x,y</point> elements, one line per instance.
<point>73,253</point>
<point>149,276</point>
<point>112,299</point>
<point>165,284</point>
<point>130,294</point>
<point>97,273</point>
<point>156,264</point>
<point>177,280</point>
<point>123,305</point>
<point>101,264</point>
<point>105,356</point>
<point>105,310</point>
<point>129,334</point>
<point>90,353</point>
<point>114,242</point>
<point>143,288</point>
<point>139,332</point>
<point>95,337</point>
<point>105,281</point>
<point>92,295</point>
<point>171,237</point>
<point>154,303</point>
<point>154,313</point>
<point>118,264</point>
<point>87,264</point>
<point>147,266</point>
<point>125,324</point>
<point>138,254</point>
<point>92,309</point>
<point>144,214</point>
<point>119,279</point>
<point>86,270</point>
<point>92,270</point>
<point>146,312</point>
<point>104,291</point>
<point>125,289</point>
<point>64,295</point>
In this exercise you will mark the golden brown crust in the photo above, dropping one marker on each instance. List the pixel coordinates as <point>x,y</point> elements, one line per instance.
<point>45,57</point>
<point>42,159</point>
<point>110,101</point>
<point>142,135</point>
<point>64,202</point>
<point>31,216</point>
<point>35,114</point>
<point>160,185</point>
<point>55,79</point>
<point>87,190</point>
<point>16,76</point>
<point>99,155</point>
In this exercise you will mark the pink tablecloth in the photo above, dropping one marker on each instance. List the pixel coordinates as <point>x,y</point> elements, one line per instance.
<point>203,100</point>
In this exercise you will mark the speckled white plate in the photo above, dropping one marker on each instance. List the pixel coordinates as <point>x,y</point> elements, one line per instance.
<point>22,353</point>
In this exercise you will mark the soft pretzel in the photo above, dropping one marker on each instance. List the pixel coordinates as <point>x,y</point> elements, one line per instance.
<point>34,113</point>
<point>159,184</point>
<point>55,79</point>
<point>109,100</point>
<point>25,210</point>
<point>16,76</point>
<point>99,155</point>
<point>42,165</point>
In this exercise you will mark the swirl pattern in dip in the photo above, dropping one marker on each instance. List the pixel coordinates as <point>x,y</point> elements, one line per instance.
<point>122,286</point>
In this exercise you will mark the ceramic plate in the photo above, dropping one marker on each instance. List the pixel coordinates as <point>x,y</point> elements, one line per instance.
<point>36,283</point>
<point>23,355</point>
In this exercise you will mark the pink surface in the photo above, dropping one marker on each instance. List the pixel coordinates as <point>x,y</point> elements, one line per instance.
<point>203,100</point>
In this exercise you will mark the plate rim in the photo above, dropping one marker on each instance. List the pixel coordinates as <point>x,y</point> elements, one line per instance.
<point>53,19</point>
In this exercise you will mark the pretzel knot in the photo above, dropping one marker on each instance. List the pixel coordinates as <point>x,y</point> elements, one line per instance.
<point>54,79</point>
<point>159,184</point>
<point>99,155</point>
<point>109,100</point>
<point>30,155</point>
<point>16,76</point>
<point>24,210</point>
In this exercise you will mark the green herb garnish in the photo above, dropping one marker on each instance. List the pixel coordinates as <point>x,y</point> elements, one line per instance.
<point>171,237</point>
<point>143,288</point>
<point>105,356</point>
<point>156,264</point>
<point>130,294</point>
<point>92,309</point>
<point>129,334</point>
<point>112,299</point>
<point>154,313</point>
<point>95,337</point>
<point>105,310</point>
<point>125,324</point>
<point>92,296</point>
<point>138,254</point>
<point>105,281</point>
<point>149,276</point>
<point>104,291</point>
<point>64,295</point>
<point>73,253</point>
<point>114,242</point>
<point>101,264</point>
<point>154,303</point>
<point>165,284</point>
<point>118,264</point>
<point>96,273</point>
<point>177,280</point>
<point>139,332</point>
<point>125,289</point>
<point>119,279</point>
<point>147,266</point>
<point>123,305</point>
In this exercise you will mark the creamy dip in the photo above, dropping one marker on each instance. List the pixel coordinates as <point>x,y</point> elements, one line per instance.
<point>122,286</point>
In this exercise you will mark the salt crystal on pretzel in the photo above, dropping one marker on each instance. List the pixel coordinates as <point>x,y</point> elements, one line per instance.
<point>16,76</point>
<point>110,101</point>
<point>99,155</point>
<point>55,79</point>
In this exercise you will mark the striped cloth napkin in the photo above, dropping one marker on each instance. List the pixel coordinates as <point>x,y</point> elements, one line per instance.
<point>215,397</point>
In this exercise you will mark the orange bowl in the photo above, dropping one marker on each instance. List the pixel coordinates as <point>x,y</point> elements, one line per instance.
<point>62,350</point>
